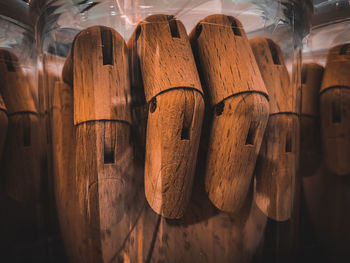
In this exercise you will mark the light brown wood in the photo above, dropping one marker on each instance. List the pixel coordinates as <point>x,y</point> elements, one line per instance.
<point>310,137</point>
<point>98,196</point>
<point>3,125</point>
<point>21,165</point>
<point>334,110</point>
<point>275,173</point>
<point>268,55</point>
<point>238,96</point>
<point>174,94</point>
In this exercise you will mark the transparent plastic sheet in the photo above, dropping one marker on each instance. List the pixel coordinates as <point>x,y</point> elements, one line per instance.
<point>128,228</point>
<point>325,186</point>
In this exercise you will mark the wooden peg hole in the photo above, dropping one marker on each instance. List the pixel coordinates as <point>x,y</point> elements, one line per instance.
<point>153,105</point>
<point>252,133</point>
<point>343,49</point>
<point>303,76</point>
<point>234,27</point>
<point>107,46</point>
<point>109,142</point>
<point>173,28</point>
<point>26,132</point>
<point>336,112</point>
<point>9,63</point>
<point>274,53</point>
<point>288,143</point>
<point>219,108</point>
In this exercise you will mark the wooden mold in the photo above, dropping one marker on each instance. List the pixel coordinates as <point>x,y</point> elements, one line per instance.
<point>21,163</point>
<point>310,138</point>
<point>238,96</point>
<point>93,152</point>
<point>335,110</point>
<point>173,91</point>
<point>275,172</point>
<point>3,125</point>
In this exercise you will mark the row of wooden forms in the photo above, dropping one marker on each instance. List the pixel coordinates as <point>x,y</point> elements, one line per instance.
<point>126,123</point>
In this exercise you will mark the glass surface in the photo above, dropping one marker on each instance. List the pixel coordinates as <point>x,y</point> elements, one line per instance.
<point>114,220</point>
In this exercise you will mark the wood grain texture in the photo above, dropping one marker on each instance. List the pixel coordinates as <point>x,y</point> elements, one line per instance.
<point>173,133</point>
<point>236,91</point>
<point>3,126</point>
<point>310,137</point>
<point>225,58</point>
<point>98,195</point>
<point>268,55</point>
<point>166,61</point>
<point>110,99</point>
<point>21,167</point>
<point>172,89</point>
<point>335,109</point>
<point>275,173</point>
<point>16,88</point>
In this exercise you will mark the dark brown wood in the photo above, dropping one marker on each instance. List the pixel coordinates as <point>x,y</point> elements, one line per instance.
<point>275,173</point>
<point>334,110</point>
<point>173,91</point>
<point>3,125</point>
<point>310,138</point>
<point>21,167</point>
<point>238,96</point>
<point>98,196</point>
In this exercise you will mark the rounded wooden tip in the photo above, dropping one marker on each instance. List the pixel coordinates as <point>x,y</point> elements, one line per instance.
<point>98,69</point>
<point>337,70</point>
<point>16,88</point>
<point>311,80</point>
<point>269,57</point>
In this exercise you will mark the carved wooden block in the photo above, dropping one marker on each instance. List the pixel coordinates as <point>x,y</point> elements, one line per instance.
<point>238,96</point>
<point>275,173</point>
<point>173,91</point>
<point>21,162</point>
<point>93,152</point>
<point>334,110</point>
<point>3,125</point>
<point>310,138</point>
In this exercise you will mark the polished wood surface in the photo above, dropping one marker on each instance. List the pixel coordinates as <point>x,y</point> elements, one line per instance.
<point>275,174</point>
<point>237,95</point>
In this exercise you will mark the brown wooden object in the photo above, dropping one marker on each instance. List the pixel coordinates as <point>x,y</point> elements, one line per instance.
<point>95,190</point>
<point>238,96</point>
<point>173,90</point>
<point>21,163</point>
<point>275,172</point>
<point>335,110</point>
<point>310,141</point>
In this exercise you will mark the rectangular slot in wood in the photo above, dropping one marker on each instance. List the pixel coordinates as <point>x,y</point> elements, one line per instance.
<point>9,63</point>
<point>107,46</point>
<point>288,142</point>
<point>234,27</point>
<point>274,52</point>
<point>109,142</point>
<point>303,75</point>
<point>26,131</point>
<point>174,30</point>
<point>251,135</point>
<point>343,49</point>
<point>336,112</point>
